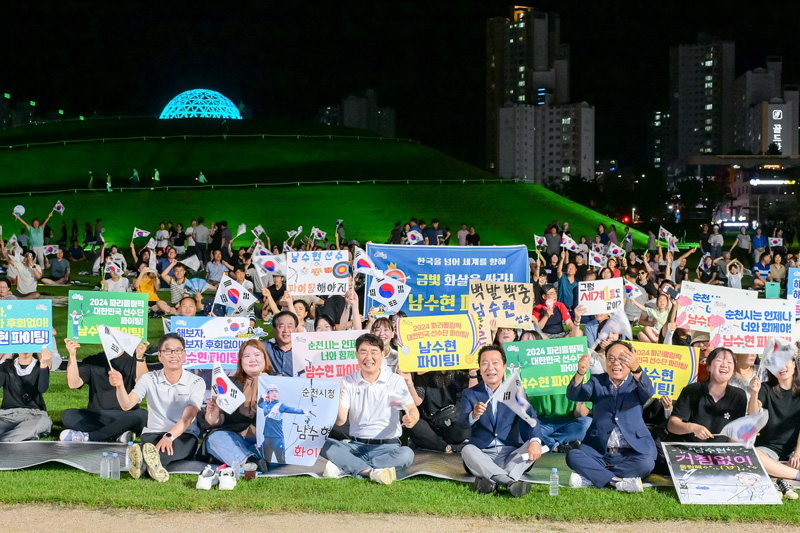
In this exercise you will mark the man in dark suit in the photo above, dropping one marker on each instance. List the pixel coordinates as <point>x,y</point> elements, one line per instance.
<point>502,446</point>
<point>618,450</point>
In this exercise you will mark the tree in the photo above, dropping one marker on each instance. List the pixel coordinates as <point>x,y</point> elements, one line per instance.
<point>773,149</point>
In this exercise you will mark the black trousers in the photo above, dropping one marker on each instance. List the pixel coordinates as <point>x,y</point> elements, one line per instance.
<point>426,438</point>
<point>105,425</point>
<point>272,445</point>
<point>200,251</point>
<point>184,447</point>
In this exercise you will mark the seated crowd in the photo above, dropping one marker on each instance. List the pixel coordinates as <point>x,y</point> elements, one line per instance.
<point>608,425</point>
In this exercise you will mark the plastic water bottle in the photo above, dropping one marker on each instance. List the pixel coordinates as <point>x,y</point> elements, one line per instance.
<point>554,482</point>
<point>128,455</point>
<point>235,466</point>
<point>114,466</point>
<point>105,466</point>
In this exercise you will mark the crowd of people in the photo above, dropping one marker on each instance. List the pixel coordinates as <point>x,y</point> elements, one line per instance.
<point>608,424</point>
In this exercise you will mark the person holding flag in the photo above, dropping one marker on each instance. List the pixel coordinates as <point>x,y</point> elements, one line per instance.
<point>660,314</point>
<point>36,231</point>
<point>174,397</point>
<point>505,437</point>
<point>371,399</point>
<point>618,450</point>
<point>24,379</point>
<point>231,434</point>
<point>778,442</point>
<point>103,419</point>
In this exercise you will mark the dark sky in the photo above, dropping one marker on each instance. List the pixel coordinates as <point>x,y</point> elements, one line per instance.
<point>426,59</point>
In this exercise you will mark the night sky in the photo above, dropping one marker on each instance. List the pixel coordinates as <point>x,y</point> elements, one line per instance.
<point>426,59</point>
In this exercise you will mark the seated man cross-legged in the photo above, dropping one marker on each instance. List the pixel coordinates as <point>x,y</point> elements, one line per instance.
<point>618,449</point>
<point>502,446</point>
<point>371,397</point>
<point>174,397</point>
<point>103,419</point>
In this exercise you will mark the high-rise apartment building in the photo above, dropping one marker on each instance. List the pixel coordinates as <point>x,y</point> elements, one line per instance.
<point>527,67</point>
<point>701,79</point>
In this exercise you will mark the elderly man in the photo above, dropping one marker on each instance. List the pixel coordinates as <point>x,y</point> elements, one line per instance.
<point>371,398</point>
<point>502,446</point>
<point>618,449</point>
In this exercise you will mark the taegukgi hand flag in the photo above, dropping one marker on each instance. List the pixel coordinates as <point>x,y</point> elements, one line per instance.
<point>229,397</point>
<point>141,233</point>
<point>271,264</point>
<point>362,263</point>
<point>117,342</point>
<point>231,293</point>
<point>414,237</point>
<point>59,208</point>
<point>512,394</point>
<point>539,241</point>
<point>390,292</point>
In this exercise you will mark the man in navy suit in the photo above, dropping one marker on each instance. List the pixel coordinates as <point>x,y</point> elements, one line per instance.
<point>618,450</point>
<point>502,446</point>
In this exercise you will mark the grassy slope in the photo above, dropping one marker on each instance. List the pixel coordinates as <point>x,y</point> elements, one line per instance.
<point>502,212</point>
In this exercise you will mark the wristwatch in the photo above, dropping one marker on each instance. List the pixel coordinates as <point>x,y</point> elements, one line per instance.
<point>473,376</point>
<point>168,434</point>
<point>142,360</point>
<point>637,371</point>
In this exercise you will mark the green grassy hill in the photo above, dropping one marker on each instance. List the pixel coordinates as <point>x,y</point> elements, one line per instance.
<point>387,180</point>
<point>502,212</point>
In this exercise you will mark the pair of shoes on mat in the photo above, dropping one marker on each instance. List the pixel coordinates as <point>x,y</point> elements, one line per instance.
<point>146,458</point>
<point>383,476</point>
<point>515,487</point>
<point>71,435</point>
<point>222,477</point>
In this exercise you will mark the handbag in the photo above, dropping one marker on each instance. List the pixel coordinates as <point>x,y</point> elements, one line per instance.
<point>444,417</point>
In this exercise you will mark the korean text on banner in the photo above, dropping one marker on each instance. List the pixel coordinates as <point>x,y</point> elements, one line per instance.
<point>508,304</point>
<point>696,303</point>
<point>545,366</point>
<point>294,417</point>
<point>437,342</point>
<point>211,340</point>
<point>26,326</point>
<point>670,368</point>
<point>745,325</point>
<point>320,272</point>
<point>325,354</point>
<point>125,311</point>
<point>793,290</point>
<point>439,276</point>
<point>718,474</point>
<point>601,296</point>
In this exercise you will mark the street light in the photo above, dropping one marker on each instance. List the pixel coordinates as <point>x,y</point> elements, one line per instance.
<point>633,215</point>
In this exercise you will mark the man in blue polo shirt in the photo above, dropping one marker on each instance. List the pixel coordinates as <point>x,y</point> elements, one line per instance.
<point>761,272</point>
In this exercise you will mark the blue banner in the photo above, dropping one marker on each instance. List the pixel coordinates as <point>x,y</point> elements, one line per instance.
<point>439,276</point>
<point>26,326</point>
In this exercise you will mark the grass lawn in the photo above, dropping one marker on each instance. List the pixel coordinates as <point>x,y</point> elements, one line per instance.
<point>61,484</point>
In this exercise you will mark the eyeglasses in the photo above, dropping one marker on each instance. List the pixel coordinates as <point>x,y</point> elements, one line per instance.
<point>613,360</point>
<point>177,351</point>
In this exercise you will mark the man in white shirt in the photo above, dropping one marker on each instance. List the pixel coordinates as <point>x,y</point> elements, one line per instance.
<point>27,273</point>
<point>462,235</point>
<point>174,397</point>
<point>371,398</point>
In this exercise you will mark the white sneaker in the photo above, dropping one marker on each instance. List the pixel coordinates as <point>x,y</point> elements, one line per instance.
<point>331,470</point>
<point>207,479</point>
<point>227,481</point>
<point>384,476</point>
<point>128,436</point>
<point>70,435</point>
<point>577,481</point>
<point>630,484</point>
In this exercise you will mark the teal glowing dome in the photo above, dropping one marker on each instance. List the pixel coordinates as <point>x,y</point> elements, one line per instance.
<point>200,103</point>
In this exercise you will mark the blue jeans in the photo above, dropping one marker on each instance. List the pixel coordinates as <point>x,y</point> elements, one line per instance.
<point>224,445</point>
<point>354,457</point>
<point>556,432</point>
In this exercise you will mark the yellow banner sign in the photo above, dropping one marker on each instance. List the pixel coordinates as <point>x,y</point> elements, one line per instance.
<point>442,342</point>
<point>670,368</point>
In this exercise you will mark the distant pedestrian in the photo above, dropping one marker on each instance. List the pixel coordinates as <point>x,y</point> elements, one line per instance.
<point>135,179</point>
<point>91,179</point>
<point>108,182</point>
<point>202,179</point>
<point>156,178</point>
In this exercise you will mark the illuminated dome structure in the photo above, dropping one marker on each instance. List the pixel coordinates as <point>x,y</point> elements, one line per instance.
<point>200,103</point>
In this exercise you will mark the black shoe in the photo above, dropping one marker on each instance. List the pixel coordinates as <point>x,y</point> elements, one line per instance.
<point>574,445</point>
<point>458,447</point>
<point>263,466</point>
<point>519,488</point>
<point>485,486</point>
